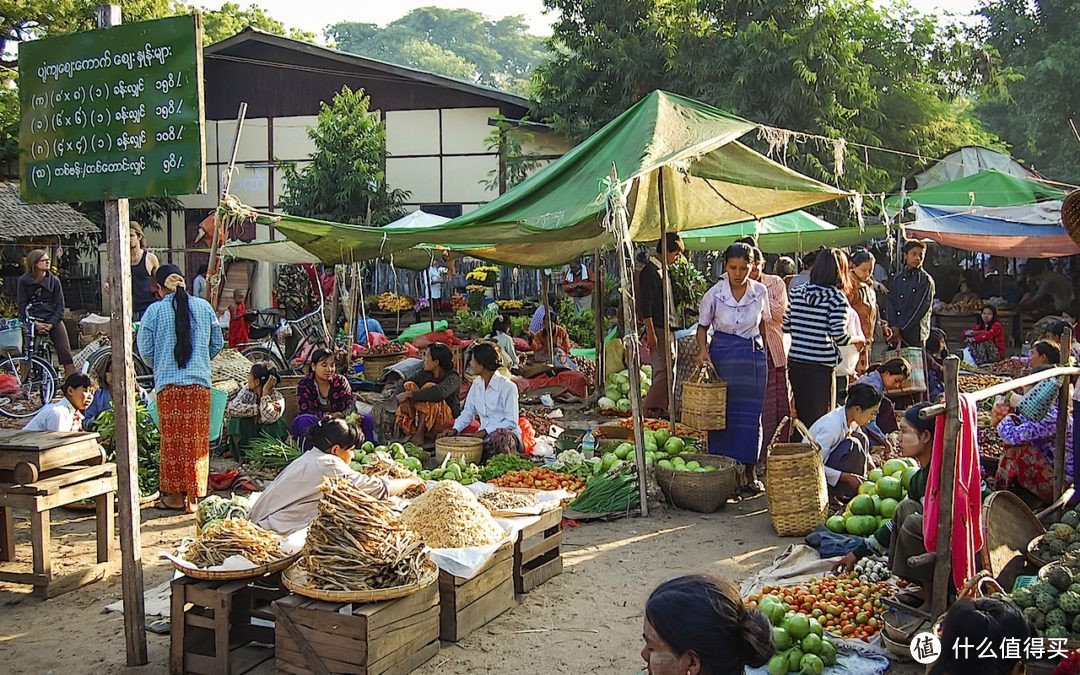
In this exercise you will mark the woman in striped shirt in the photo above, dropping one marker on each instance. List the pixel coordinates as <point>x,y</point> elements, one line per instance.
<point>816,319</point>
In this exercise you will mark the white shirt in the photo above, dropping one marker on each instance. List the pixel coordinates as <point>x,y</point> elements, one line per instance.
<point>571,277</point>
<point>496,404</point>
<point>291,501</point>
<point>742,318</point>
<point>828,432</point>
<point>507,344</point>
<point>434,278</point>
<point>800,279</point>
<point>59,416</point>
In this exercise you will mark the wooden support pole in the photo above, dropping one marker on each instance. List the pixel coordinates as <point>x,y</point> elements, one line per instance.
<point>544,293</point>
<point>213,291</point>
<point>1064,396</point>
<point>943,561</point>
<point>598,309</point>
<point>430,300</point>
<point>668,336</point>
<point>118,234</point>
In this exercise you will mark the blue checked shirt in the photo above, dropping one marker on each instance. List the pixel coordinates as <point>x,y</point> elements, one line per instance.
<point>157,338</point>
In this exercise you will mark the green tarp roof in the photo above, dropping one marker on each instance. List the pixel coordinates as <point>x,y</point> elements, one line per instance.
<point>554,216</point>
<point>986,188</point>
<point>795,231</point>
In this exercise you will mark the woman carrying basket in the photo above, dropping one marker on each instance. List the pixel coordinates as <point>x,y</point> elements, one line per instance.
<point>733,309</point>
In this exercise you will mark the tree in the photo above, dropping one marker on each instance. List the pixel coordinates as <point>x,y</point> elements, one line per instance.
<point>1038,43</point>
<point>344,181</point>
<point>455,42</point>
<point>837,68</point>
<point>230,19</point>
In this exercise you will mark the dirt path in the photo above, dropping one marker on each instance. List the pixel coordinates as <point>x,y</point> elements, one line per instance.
<point>586,620</point>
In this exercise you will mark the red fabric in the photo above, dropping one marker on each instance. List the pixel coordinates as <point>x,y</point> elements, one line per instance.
<point>445,337</point>
<point>1007,246</point>
<point>374,339</point>
<point>1029,468</point>
<point>996,333</point>
<point>966,509</point>
<point>411,351</point>
<point>239,330</point>
<point>9,384</point>
<point>528,435</point>
<point>522,345</point>
<point>573,381</point>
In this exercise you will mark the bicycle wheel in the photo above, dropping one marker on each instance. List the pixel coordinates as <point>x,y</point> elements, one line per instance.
<point>36,382</point>
<point>144,375</point>
<point>256,354</point>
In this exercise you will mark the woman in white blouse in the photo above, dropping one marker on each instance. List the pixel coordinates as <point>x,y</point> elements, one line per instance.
<point>732,311</point>
<point>493,400</point>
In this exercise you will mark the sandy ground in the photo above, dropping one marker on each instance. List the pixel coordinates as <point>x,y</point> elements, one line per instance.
<point>586,620</point>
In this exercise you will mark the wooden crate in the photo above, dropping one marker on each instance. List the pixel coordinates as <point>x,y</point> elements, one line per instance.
<point>212,628</point>
<point>537,552</point>
<point>383,638</point>
<point>468,604</point>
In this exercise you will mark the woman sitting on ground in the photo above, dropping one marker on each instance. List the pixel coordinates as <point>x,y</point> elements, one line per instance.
<point>103,399</point>
<point>560,355</point>
<point>845,449</point>
<point>987,340</point>
<point>323,393</point>
<point>971,623</point>
<point>698,625</point>
<point>1044,353</point>
<point>885,377</point>
<point>256,410</point>
<point>902,537</point>
<point>429,403</point>
<point>500,334</point>
<point>492,398</point>
<point>291,501</point>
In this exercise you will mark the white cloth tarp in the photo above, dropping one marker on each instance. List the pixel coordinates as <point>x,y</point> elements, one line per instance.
<point>966,162</point>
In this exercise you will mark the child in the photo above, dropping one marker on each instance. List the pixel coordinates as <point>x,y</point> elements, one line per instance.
<point>980,622</point>
<point>291,501</point>
<point>238,324</point>
<point>256,410</point>
<point>986,342</point>
<point>844,448</point>
<point>67,413</point>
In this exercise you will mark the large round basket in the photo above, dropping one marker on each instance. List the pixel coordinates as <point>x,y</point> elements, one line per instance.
<point>230,575</point>
<point>468,447</point>
<point>701,492</point>
<point>795,488</point>
<point>375,365</point>
<point>295,579</point>
<point>1070,215</point>
<point>1009,527</point>
<point>704,400</point>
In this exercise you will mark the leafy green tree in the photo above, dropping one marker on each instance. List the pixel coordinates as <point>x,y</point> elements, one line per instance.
<point>344,181</point>
<point>455,42</point>
<point>230,19</point>
<point>1038,43</point>
<point>836,68</point>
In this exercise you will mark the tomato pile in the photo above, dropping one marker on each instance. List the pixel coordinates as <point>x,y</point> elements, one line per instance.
<point>540,478</point>
<point>844,604</point>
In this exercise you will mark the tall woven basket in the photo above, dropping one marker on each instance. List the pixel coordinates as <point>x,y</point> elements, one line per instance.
<point>795,488</point>
<point>1070,215</point>
<point>374,366</point>
<point>468,447</point>
<point>704,400</point>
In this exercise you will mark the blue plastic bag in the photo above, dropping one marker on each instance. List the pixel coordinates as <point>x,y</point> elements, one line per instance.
<point>830,544</point>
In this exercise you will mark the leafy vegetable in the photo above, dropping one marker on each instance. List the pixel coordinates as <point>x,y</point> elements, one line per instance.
<point>574,463</point>
<point>610,492</point>
<point>503,463</point>
<point>271,453</point>
<point>148,440</point>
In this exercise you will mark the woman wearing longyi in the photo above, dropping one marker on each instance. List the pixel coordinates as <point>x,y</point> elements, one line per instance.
<point>291,501</point>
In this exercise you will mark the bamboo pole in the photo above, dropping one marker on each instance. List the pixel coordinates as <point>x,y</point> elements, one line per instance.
<point>1004,388</point>
<point>633,352</point>
<point>547,317</point>
<point>213,291</point>
<point>598,309</point>
<point>117,233</point>
<point>668,337</point>
<point>1064,396</point>
<point>946,482</point>
<point>430,301</point>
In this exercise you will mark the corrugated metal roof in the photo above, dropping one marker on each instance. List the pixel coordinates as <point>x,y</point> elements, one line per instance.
<point>19,219</point>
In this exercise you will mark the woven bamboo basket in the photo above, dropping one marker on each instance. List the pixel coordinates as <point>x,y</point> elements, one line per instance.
<point>374,366</point>
<point>468,447</point>
<point>1010,526</point>
<point>1070,215</point>
<point>704,400</point>
<point>295,579</point>
<point>701,492</point>
<point>231,575</point>
<point>795,488</point>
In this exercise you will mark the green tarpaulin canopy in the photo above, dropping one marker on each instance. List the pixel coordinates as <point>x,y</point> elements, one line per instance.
<point>708,177</point>
<point>986,188</point>
<point>795,231</point>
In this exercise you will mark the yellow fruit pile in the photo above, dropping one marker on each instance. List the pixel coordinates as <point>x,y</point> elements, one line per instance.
<point>392,302</point>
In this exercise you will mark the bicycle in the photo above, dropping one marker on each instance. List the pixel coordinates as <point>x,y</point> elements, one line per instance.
<point>144,374</point>
<point>28,380</point>
<point>269,343</point>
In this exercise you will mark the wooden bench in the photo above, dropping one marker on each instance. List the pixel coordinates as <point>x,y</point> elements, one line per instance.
<point>394,637</point>
<point>213,629</point>
<point>537,552</point>
<point>468,604</point>
<point>41,471</point>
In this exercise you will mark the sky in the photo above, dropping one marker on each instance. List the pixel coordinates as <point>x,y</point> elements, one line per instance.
<point>315,15</point>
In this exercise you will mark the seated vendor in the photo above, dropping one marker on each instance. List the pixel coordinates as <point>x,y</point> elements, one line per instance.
<point>1044,353</point>
<point>902,537</point>
<point>845,450</point>
<point>66,414</point>
<point>429,402</point>
<point>323,393</point>
<point>1028,458</point>
<point>492,398</point>
<point>560,356</point>
<point>986,342</point>
<point>500,333</point>
<point>291,501</point>
<point>1056,331</point>
<point>885,377</point>
<point>256,410</point>
<point>103,394</point>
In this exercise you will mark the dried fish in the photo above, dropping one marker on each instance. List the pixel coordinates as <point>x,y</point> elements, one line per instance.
<point>232,536</point>
<point>503,500</point>
<point>450,516</point>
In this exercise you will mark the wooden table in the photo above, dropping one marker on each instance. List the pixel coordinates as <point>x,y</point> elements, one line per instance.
<point>41,471</point>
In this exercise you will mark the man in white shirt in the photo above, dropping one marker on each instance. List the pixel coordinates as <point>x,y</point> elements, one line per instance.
<point>67,413</point>
<point>433,277</point>
<point>492,398</point>
<point>845,450</point>
<point>578,285</point>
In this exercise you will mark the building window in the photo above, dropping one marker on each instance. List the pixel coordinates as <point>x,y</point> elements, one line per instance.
<point>444,210</point>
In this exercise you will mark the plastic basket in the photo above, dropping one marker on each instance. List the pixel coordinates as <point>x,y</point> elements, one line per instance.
<point>11,340</point>
<point>1023,582</point>
<point>218,400</point>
